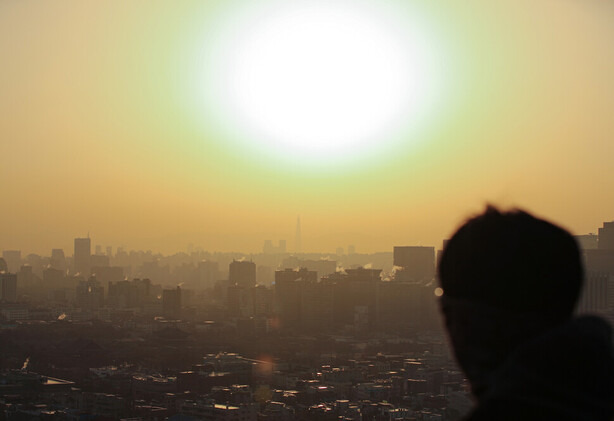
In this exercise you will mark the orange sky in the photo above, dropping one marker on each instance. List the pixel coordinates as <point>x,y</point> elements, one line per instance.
<point>102,130</point>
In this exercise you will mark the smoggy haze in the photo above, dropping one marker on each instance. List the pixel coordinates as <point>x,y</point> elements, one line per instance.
<point>102,129</point>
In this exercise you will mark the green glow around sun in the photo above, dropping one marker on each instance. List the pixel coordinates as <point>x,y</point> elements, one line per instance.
<point>317,84</point>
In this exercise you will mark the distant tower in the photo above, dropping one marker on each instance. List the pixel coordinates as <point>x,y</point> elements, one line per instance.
<point>83,255</point>
<point>297,239</point>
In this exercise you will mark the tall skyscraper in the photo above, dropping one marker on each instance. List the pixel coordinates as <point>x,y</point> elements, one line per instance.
<point>297,237</point>
<point>242,273</point>
<point>83,253</point>
<point>13,260</point>
<point>418,262</point>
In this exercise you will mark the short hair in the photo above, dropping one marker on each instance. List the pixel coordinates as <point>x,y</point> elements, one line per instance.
<point>513,261</point>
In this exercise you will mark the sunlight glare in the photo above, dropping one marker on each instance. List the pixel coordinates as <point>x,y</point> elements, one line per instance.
<point>320,78</point>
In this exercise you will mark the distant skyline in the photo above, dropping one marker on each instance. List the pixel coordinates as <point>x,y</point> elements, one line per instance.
<point>107,127</point>
<point>346,248</point>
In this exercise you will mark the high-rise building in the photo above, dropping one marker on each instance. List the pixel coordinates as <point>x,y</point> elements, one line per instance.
<point>13,259</point>
<point>89,294</point>
<point>587,241</point>
<point>289,275</point>
<point>403,305</point>
<point>316,303</point>
<point>108,273</point>
<point>242,273</point>
<point>239,301</point>
<point>323,267</point>
<point>82,256</point>
<point>418,262</point>
<point>265,275</point>
<point>289,284</point>
<point>99,260</point>
<point>171,302</point>
<point>54,278</point>
<point>606,236</point>
<point>208,273</point>
<point>36,261</point>
<point>263,300</point>
<point>3,266</point>
<point>599,261</point>
<point>8,287</point>
<point>599,272</point>
<point>597,293</point>
<point>129,294</point>
<point>26,277</point>
<point>354,296</point>
<point>58,260</point>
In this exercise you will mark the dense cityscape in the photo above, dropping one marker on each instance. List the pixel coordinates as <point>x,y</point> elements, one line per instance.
<point>448,165</point>
<point>116,334</point>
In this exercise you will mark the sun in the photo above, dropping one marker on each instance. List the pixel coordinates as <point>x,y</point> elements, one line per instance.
<point>321,81</point>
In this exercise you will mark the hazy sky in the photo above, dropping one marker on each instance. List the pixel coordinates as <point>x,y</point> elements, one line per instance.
<point>105,127</point>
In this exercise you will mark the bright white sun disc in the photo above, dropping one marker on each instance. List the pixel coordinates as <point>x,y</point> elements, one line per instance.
<point>316,78</point>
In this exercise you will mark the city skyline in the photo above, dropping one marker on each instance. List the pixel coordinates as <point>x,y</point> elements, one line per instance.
<point>266,210</point>
<point>266,245</point>
<point>586,240</point>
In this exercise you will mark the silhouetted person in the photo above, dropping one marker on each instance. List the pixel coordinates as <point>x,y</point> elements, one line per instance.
<point>511,282</point>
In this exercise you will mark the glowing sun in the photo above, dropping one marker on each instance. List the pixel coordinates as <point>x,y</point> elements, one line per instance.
<point>319,79</point>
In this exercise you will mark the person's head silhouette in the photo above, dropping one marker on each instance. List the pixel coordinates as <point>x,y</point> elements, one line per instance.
<point>511,280</point>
